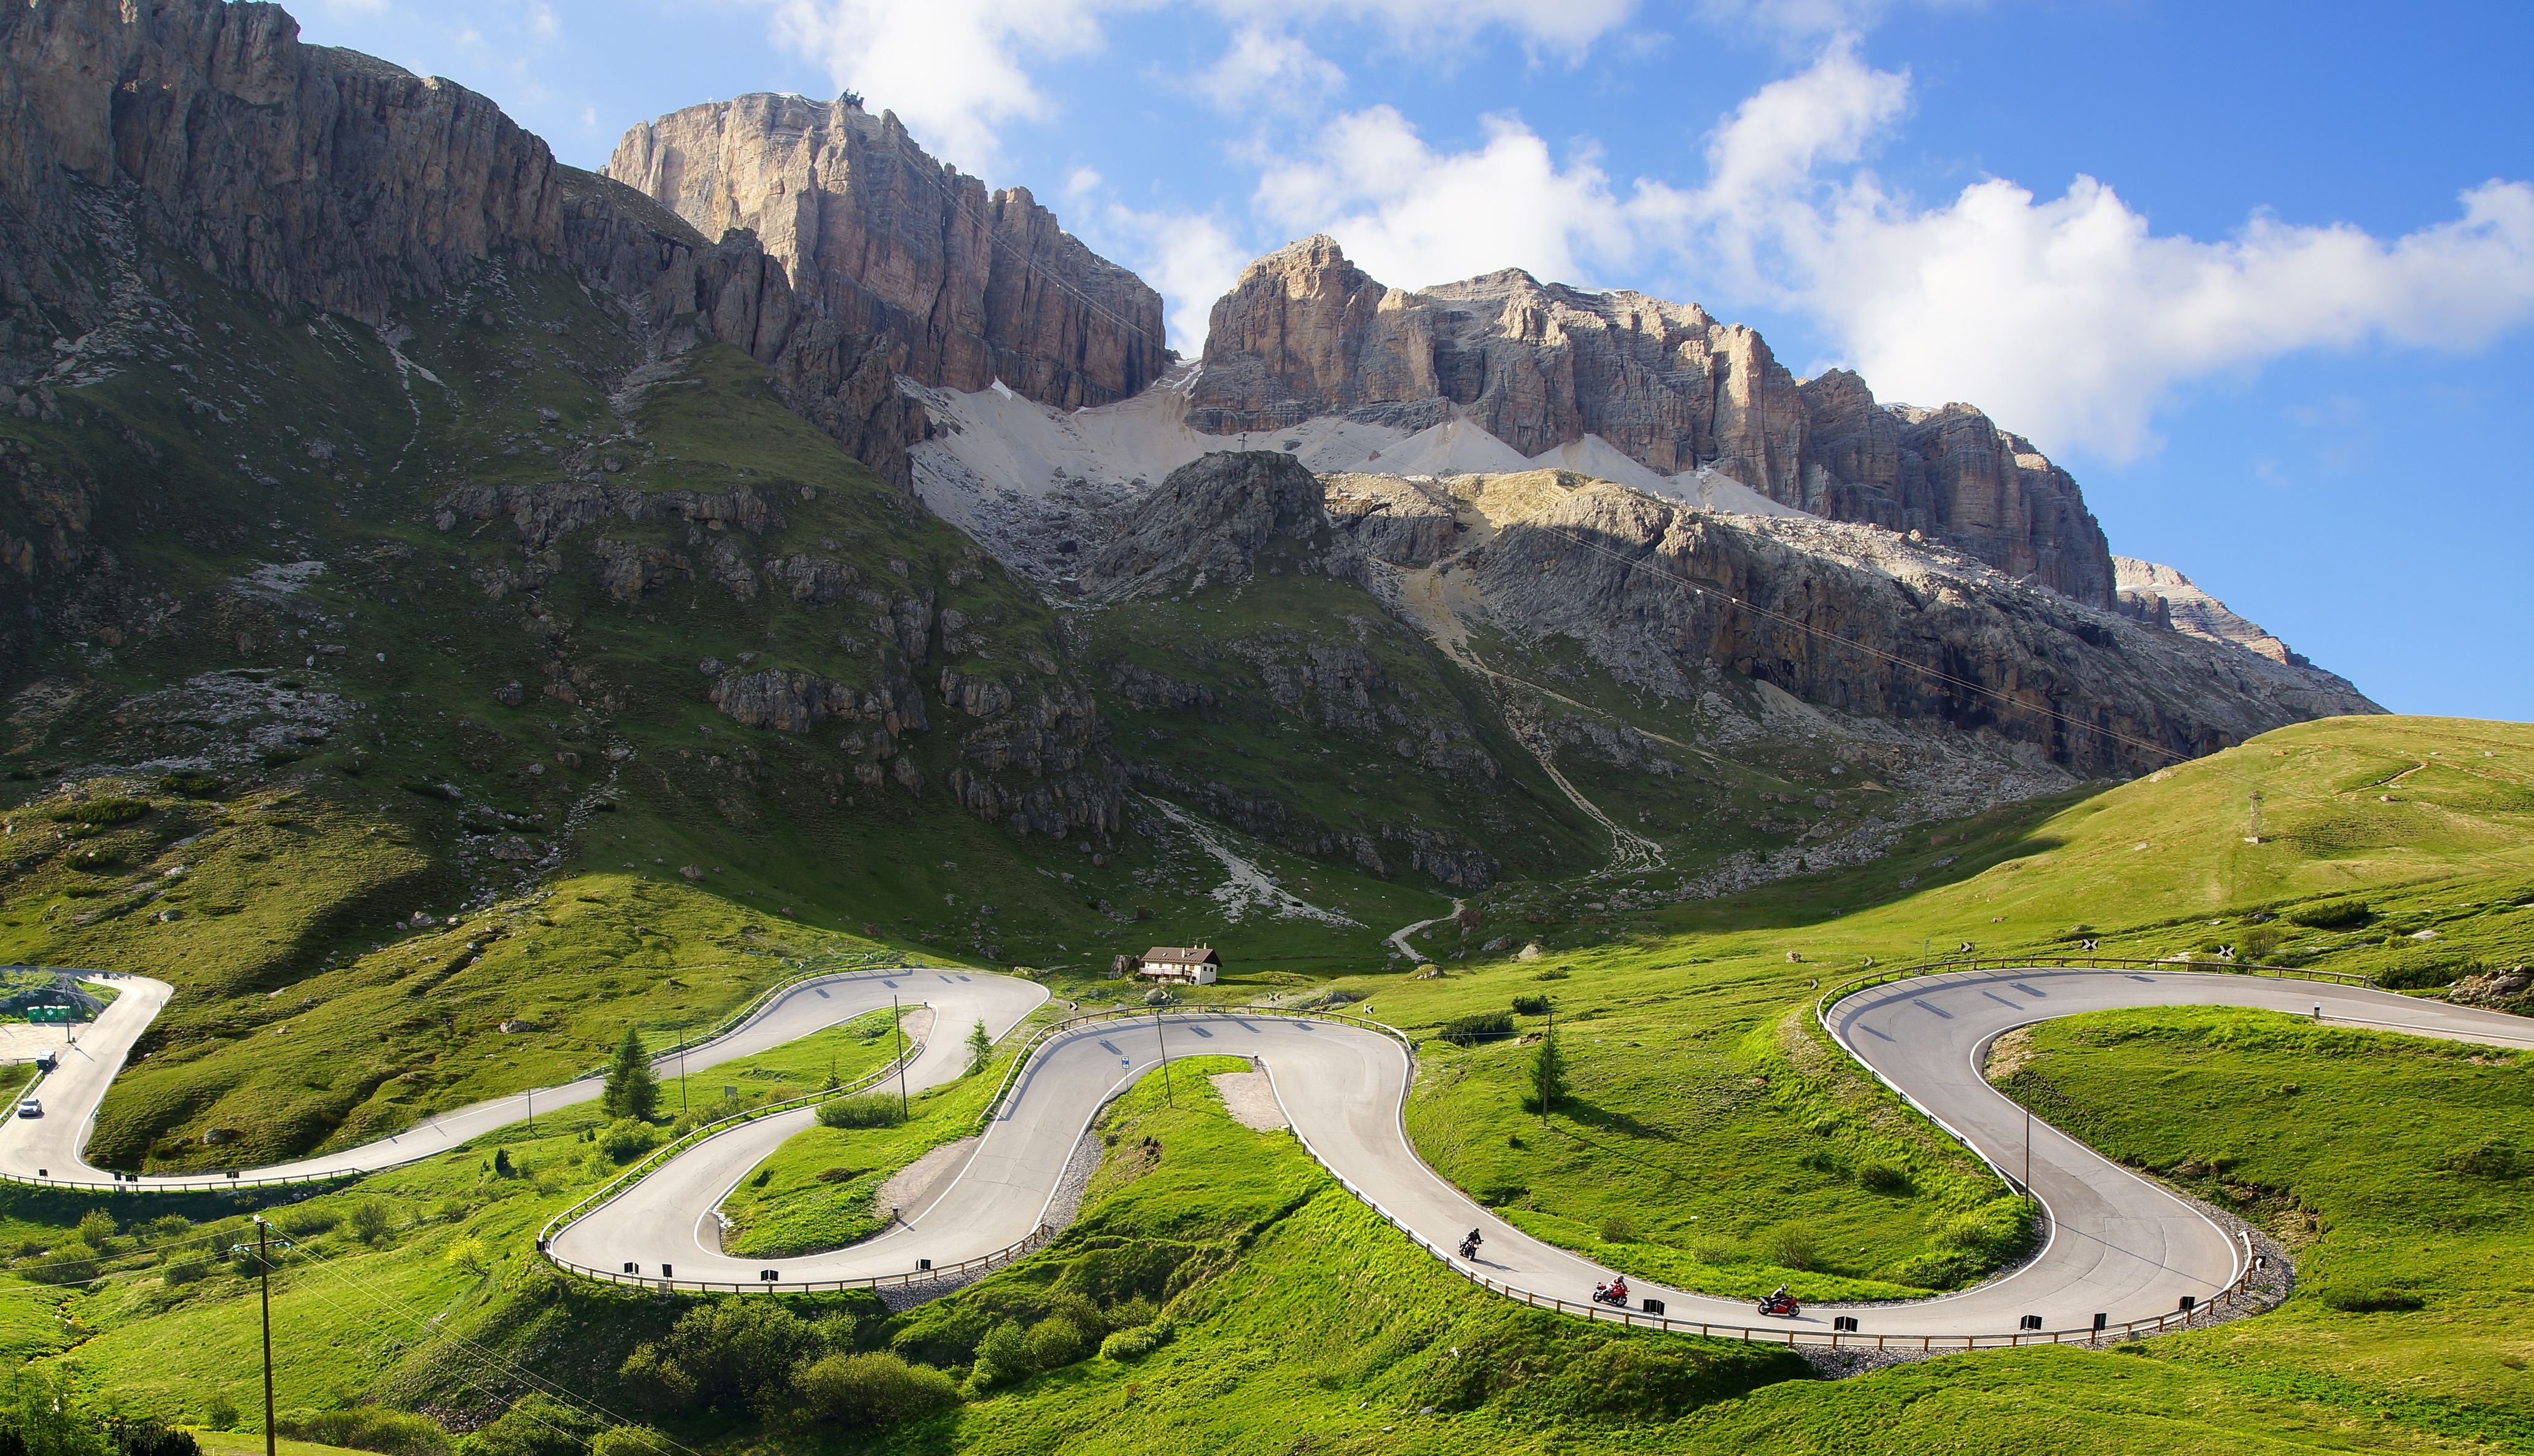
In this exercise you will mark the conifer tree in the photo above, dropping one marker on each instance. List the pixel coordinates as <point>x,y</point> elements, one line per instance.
<point>980,1048</point>
<point>1547,1074</point>
<point>631,1090</point>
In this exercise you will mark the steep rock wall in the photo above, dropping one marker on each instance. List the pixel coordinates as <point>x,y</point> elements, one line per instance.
<point>970,286</point>
<point>1306,334</point>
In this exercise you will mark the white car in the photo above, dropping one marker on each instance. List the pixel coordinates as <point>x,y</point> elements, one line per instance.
<point>30,1107</point>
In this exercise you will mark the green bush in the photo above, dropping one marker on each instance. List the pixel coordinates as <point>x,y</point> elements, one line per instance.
<point>2368,1298</point>
<point>729,1356</point>
<point>367,1428</point>
<point>1618,1228</point>
<point>2422,974</point>
<point>1134,1344</point>
<point>632,1440</point>
<point>1791,1246</point>
<point>1056,1342</point>
<point>150,1437</point>
<point>191,786</point>
<point>2331,914</point>
<point>1879,1176</point>
<point>534,1426</point>
<point>1530,1006</point>
<point>870,1390</point>
<point>870,1110</point>
<point>1002,1356</point>
<point>371,1219</point>
<point>625,1140</point>
<point>1477,1027</point>
<point>191,1268</point>
<point>96,1226</point>
<point>73,1262</point>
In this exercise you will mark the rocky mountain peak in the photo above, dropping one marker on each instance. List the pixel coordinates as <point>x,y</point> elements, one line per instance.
<point>969,286</point>
<point>1306,334</point>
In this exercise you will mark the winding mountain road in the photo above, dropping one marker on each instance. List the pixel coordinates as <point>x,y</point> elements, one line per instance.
<point>2118,1245</point>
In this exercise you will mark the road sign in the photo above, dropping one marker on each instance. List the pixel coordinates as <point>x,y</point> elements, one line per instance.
<point>50,1014</point>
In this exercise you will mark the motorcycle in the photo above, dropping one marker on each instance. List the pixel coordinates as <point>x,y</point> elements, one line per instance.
<point>1469,1250</point>
<point>1781,1306</point>
<point>1615,1294</point>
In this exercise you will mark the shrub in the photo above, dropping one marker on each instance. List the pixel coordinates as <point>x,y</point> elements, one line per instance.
<point>304,1222</point>
<point>1002,1356</point>
<point>2365,1299</point>
<point>371,1219</point>
<point>1791,1246</point>
<point>630,1440</point>
<point>1134,1344</point>
<point>69,1263</point>
<point>1475,1027</point>
<point>534,1426</point>
<point>191,786</point>
<point>873,1390</point>
<point>2259,942</point>
<point>2422,974</point>
<point>150,1436</point>
<point>726,1356</point>
<point>870,1110</point>
<point>367,1428</point>
<point>96,1226</point>
<point>1618,1228</point>
<point>1879,1176</point>
<point>190,1269</point>
<point>1530,1006</point>
<point>626,1139</point>
<point>1554,973</point>
<point>1054,1342</point>
<point>2331,914</point>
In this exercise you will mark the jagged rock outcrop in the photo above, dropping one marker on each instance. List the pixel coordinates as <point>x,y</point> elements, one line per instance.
<point>2164,598</point>
<point>879,238</point>
<point>1858,619</point>
<point>1307,333</point>
<point>307,175</point>
<point>1210,516</point>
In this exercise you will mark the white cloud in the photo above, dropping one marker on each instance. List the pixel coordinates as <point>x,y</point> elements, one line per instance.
<point>950,69</point>
<point>1269,68</point>
<point>1411,217</point>
<point>2068,319</point>
<point>1190,257</point>
<point>957,71</point>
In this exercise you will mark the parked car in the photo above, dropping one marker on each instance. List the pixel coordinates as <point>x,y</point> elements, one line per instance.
<point>30,1107</point>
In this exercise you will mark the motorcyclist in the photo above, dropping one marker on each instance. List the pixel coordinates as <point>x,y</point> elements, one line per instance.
<point>1620,1290</point>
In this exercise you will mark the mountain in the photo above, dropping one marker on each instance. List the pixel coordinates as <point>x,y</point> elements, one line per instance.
<point>1305,334</point>
<point>783,499</point>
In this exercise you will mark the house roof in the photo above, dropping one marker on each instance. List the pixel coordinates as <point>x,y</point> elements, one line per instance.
<point>1184,956</point>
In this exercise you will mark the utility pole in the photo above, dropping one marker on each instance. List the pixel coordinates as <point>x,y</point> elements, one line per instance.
<point>263,1247</point>
<point>682,1079</point>
<point>532,1112</point>
<point>1544,1045</point>
<point>1160,1036</point>
<point>2027,1156</point>
<point>900,1027</point>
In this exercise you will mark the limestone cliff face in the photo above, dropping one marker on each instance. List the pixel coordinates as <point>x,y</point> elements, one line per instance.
<point>309,175</point>
<point>1304,332</point>
<point>1853,618</point>
<point>875,235</point>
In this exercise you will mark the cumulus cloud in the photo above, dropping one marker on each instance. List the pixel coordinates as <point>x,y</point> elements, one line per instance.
<point>1190,257</point>
<point>959,71</point>
<point>1413,216</point>
<point>950,69</point>
<point>1270,68</point>
<point>2069,318</point>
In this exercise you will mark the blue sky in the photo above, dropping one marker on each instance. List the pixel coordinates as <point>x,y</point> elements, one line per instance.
<point>2260,276</point>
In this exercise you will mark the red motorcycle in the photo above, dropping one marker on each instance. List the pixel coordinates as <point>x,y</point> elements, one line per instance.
<point>1780,1305</point>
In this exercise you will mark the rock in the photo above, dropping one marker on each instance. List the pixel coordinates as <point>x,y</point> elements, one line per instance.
<point>880,240</point>
<point>1531,951</point>
<point>1210,518</point>
<point>1500,942</point>
<point>691,872</point>
<point>1306,334</point>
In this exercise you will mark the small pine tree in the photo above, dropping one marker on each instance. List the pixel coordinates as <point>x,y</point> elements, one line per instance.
<point>1547,1074</point>
<point>501,1162</point>
<point>980,1048</point>
<point>631,1090</point>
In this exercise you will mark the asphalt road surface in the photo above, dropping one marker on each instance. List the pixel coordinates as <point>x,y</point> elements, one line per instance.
<point>2118,1244</point>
